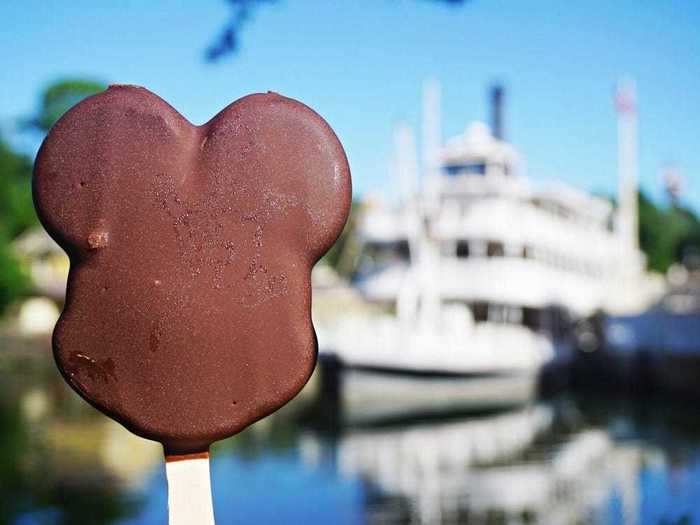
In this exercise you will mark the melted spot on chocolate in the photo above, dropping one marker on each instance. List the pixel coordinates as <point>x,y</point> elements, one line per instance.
<point>97,240</point>
<point>102,369</point>
<point>155,336</point>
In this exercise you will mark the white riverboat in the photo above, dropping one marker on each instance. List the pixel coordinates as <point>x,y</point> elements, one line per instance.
<point>479,273</point>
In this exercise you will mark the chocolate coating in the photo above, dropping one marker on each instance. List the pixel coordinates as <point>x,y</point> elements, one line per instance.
<point>188,308</point>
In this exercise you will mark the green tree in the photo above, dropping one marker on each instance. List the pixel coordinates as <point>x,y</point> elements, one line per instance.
<point>688,248</point>
<point>59,97</point>
<point>14,281</point>
<point>16,215</point>
<point>342,254</point>
<point>663,231</point>
<point>16,207</point>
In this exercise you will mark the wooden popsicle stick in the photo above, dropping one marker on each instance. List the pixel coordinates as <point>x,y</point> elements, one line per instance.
<point>189,490</point>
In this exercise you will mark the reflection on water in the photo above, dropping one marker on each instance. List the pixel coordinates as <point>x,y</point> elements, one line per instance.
<point>50,471</point>
<point>569,461</point>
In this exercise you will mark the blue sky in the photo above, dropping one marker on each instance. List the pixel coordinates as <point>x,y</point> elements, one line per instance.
<point>361,63</point>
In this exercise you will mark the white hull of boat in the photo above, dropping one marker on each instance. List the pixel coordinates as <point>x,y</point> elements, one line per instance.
<point>391,369</point>
<point>371,395</point>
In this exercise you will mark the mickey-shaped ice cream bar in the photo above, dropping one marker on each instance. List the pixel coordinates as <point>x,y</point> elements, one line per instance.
<point>187,314</point>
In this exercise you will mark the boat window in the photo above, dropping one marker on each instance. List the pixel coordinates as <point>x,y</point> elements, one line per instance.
<point>462,249</point>
<point>470,168</point>
<point>477,168</point>
<point>497,313</point>
<point>447,249</point>
<point>453,170</point>
<point>495,249</point>
<point>379,254</point>
<point>480,311</point>
<point>515,315</point>
<point>484,311</point>
<point>557,320</point>
<point>402,250</point>
<point>531,318</point>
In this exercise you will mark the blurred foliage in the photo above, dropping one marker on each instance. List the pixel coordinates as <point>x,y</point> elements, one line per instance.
<point>688,249</point>
<point>228,40</point>
<point>16,215</point>
<point>343,253</point>
<point>14,280</point>
<point>666,235</point>
<point>36,484</point>
<point>59,97</point>
<point>16,207</point>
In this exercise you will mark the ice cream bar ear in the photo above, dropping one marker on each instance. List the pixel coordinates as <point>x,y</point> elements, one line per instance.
<point>299,163</point>
<point>105,144</point>
<point>188,304</point>
<point>92,155</point>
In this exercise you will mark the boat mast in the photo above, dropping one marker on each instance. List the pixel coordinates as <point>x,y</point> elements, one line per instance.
<point>431,141</point>
<point>627,216</point>
<point>406,174</point>
<point>406,164</point>
<point>429,260</point>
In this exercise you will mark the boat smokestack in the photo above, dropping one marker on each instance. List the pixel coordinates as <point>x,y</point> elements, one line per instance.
<point>497,96</point>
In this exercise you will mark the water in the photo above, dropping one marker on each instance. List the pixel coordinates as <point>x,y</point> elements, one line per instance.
<point>570,460</point>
